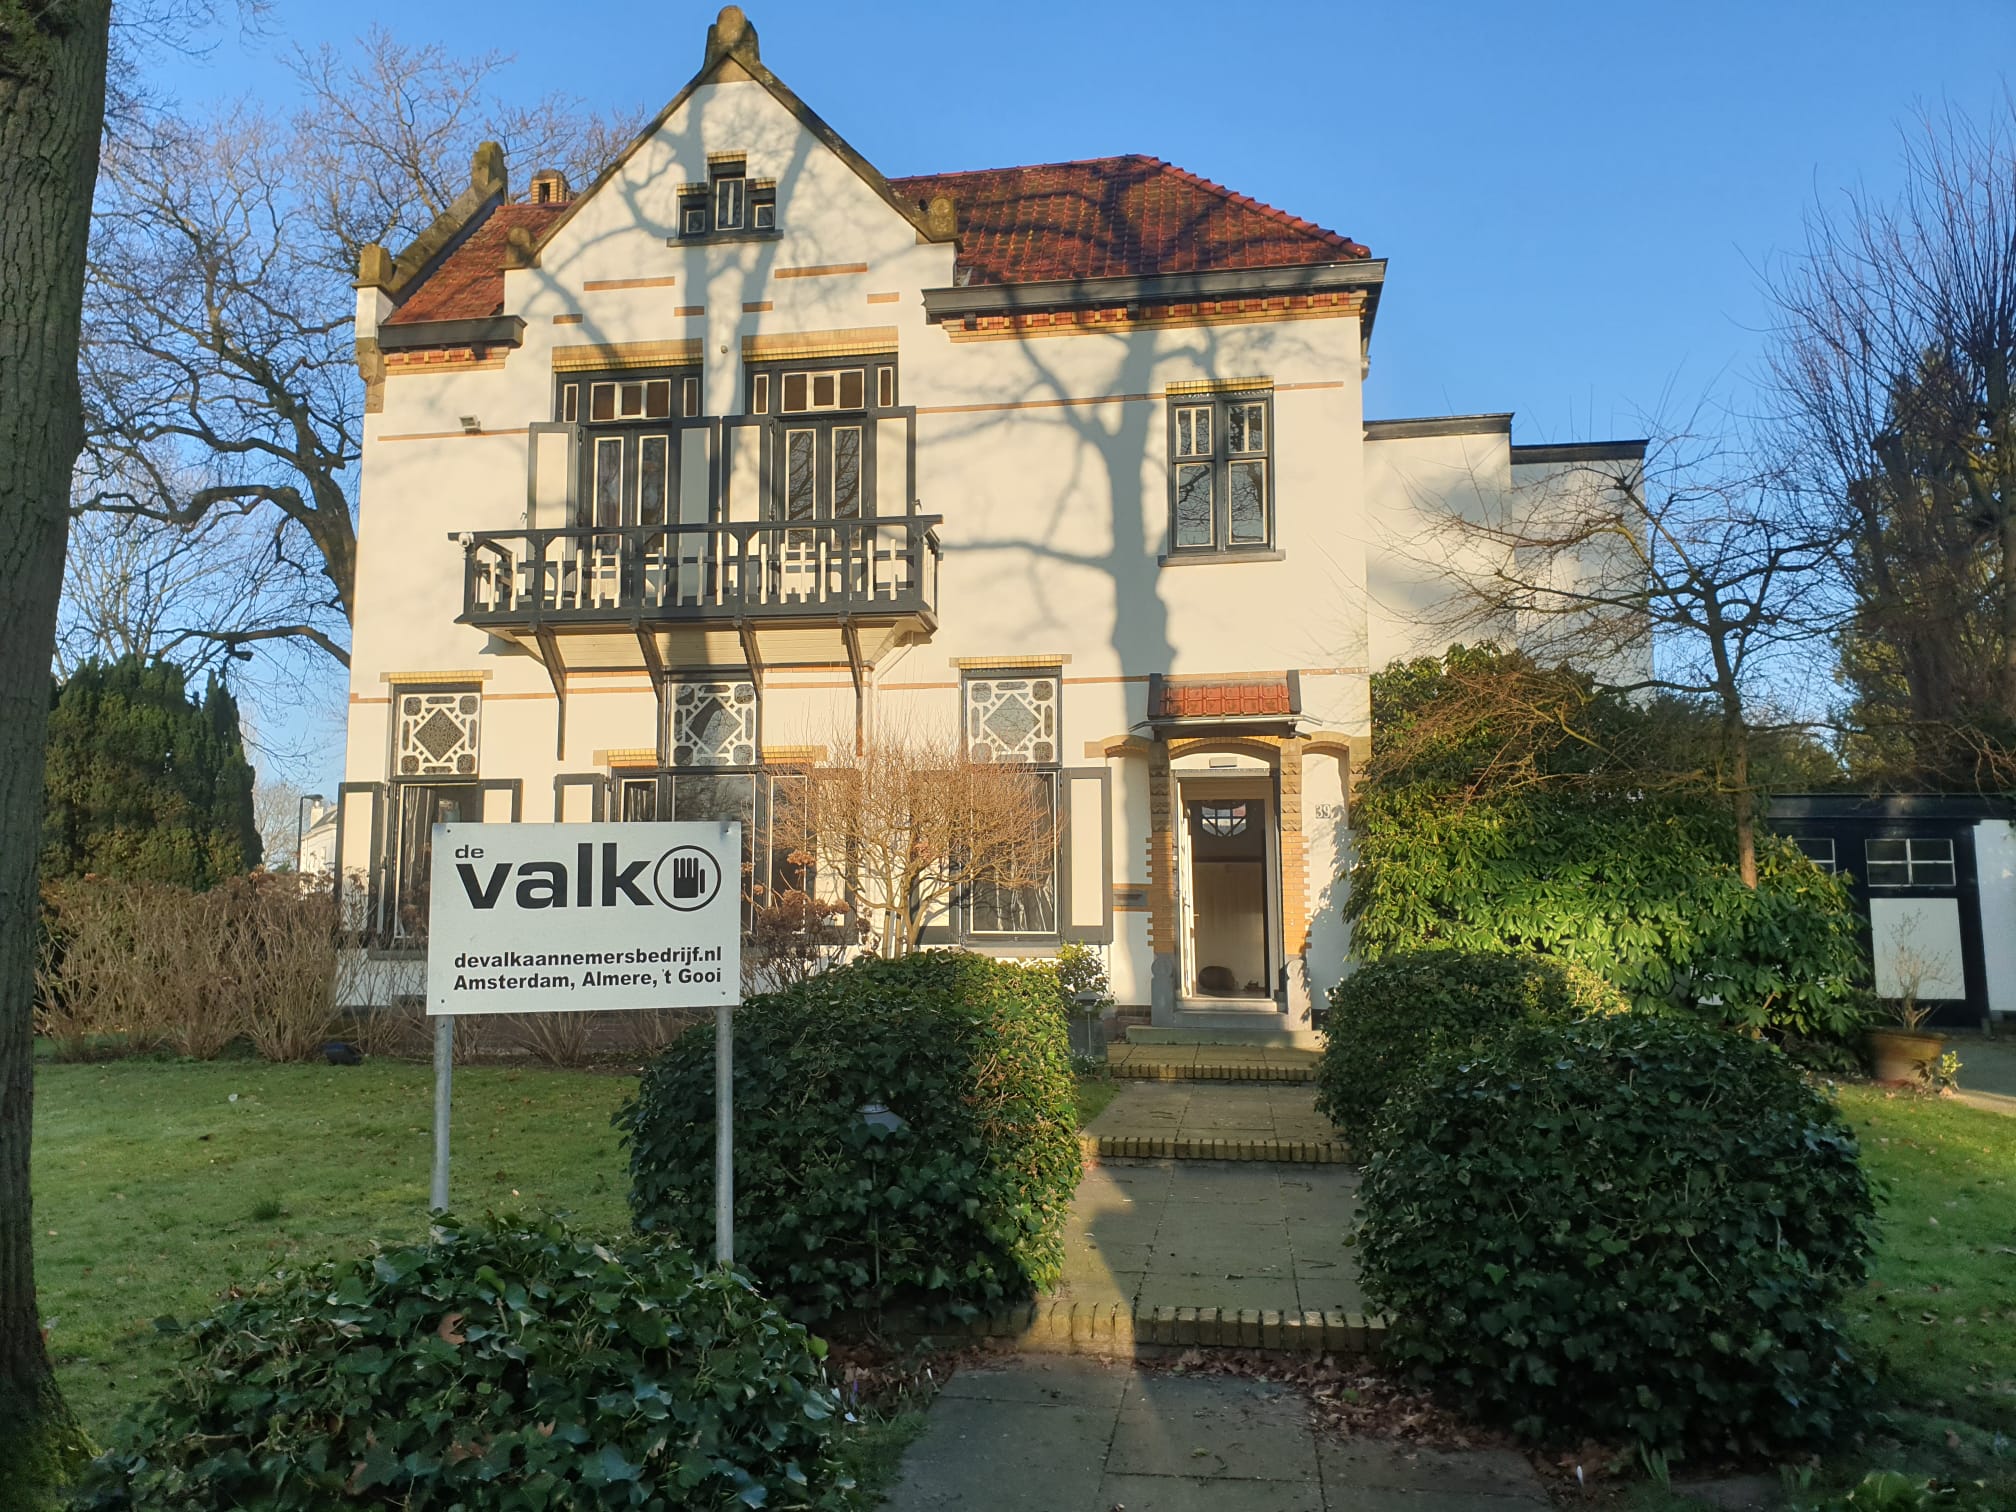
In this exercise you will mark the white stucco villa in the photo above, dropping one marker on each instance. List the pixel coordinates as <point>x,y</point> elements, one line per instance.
<point>667,480</point>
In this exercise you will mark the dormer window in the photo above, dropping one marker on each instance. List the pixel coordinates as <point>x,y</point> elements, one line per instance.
<point>730,203</point>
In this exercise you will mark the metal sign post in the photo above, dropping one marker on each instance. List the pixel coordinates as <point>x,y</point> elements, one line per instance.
<point>724,1134</point>
<point>565,918</point>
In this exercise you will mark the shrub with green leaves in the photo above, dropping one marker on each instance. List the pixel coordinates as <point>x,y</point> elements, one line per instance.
<point>1622,1227</point>
<point>1509,807</point>
<point>504,1366</point>
<point>905,1136</point>
<point>1391,1016</point>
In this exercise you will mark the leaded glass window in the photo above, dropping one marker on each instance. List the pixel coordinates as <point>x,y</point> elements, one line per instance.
<point>1012,718</point>
<point>1220,488</point>
<point>435,733</point>
<point>713,723</point>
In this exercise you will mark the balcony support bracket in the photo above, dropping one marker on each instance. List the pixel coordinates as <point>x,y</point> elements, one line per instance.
<point>851,633</point>
<point>747,630</point>
<point>549,657</point>
<point>654,664</point>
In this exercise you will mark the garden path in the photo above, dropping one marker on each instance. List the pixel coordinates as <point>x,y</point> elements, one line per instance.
<point>1230,1234</point>
<point>1987,1072</point>
<point>1075,1435</point>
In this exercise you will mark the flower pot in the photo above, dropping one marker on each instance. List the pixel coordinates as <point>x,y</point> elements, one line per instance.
<point>1904,1055</point>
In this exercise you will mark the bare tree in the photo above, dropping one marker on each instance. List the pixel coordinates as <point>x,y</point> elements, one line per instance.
<point>905,826</point>
<point>1687,575</point>
<point>1894,364</point>
<point>219,364</point>
<point>52,101</point>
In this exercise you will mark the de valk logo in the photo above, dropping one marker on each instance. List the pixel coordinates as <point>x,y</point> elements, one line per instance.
<point>685,878</point>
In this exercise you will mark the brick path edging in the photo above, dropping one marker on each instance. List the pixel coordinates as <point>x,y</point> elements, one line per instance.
<point>1121,1329</point>
<point>1163,1147</point>
<point>1128,1070</point>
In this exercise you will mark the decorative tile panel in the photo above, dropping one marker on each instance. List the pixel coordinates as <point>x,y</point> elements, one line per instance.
<point>1012,719</point>
<point>437,732</point>
<point>713,723</point>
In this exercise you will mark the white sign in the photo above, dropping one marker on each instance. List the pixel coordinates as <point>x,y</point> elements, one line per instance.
<point>548,918</point>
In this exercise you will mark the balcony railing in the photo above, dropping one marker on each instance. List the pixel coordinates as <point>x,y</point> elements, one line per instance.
<point>813,568</point>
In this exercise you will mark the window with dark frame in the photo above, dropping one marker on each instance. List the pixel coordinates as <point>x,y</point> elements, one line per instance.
<point>1220,472</point>
<point>1012,715</point>
<point>730,203</point>
<point>1909,861</point>
<point>629,447</point>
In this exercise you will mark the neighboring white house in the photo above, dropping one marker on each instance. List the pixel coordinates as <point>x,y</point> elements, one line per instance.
<point>671,483</point>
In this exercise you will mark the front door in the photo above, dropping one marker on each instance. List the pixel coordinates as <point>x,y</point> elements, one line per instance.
<point>1227,866</point>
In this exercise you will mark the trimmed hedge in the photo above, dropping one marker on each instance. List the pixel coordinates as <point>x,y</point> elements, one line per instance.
<point>1623,1227</point>
<point>1391,1016</point>
<point>501,1367</point>
<point>955,1209</point>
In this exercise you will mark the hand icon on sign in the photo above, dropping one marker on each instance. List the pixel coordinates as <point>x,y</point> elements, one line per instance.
<point>687,877</point>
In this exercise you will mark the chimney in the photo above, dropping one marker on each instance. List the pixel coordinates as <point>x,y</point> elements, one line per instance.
<point>549,187</point>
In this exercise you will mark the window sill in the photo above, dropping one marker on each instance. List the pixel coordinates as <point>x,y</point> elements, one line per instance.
<point>717,238</point>
<point>1011,947</point>
<point>1219,558</point>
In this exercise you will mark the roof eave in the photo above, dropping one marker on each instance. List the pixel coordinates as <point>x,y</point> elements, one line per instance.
<point>1366,273</point>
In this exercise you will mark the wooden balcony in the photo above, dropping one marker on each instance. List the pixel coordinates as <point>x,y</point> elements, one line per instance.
<point>755,593</point>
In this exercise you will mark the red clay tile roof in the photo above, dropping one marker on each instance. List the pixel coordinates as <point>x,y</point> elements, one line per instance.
<point>1107,217</point>
<point>1231,699</point>
<point>468,284</point>
<point>1094,219</point>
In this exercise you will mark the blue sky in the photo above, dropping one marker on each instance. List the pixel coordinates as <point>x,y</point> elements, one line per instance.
<point>1575,197</point>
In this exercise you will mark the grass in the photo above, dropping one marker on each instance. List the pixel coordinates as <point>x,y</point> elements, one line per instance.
<point>158,1185</point>
<point>1094,1092</point>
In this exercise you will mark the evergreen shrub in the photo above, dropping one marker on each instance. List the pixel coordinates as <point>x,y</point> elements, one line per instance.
<point>905,1136</point>
<point>1391,1016</point>
<point>504,1366</point>
<point>1623,1227</point>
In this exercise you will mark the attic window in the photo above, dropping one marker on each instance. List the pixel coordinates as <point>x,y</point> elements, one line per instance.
<point>729,203</point>
<point>549,187</point>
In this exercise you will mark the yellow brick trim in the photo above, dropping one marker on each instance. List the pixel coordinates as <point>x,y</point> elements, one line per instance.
<point>597,285</point>
<point>1220,386</point>
<point>636,756</point>
<point>820,270</point>
<point>798,755</point>
<point>421,679</point>
<point>857,341</point>
<point>1034,660</point>
<point>619,354</point>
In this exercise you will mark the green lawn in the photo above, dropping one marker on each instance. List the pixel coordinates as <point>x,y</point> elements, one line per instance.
<point>1941,1306</point>
<point>154,1191</point>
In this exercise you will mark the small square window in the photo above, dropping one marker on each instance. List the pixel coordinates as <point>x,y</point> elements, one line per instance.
<point>693,218</point>
<point>759,395</point>
<point>794,392</point>
<point>1193,431</point>
<point>1909,863</point>
<point>850,389</point>
<point>824,387</point>
<point>570,403</point>
<point>602,401</point>
<point>766,215</point>
<point>690,398</point>
<point>658,399</point>
<point>633,400</point>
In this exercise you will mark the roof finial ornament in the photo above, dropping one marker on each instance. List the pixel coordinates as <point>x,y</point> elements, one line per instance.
<point>732,34</point>
<point>941,218</point>
<point>486,169</point>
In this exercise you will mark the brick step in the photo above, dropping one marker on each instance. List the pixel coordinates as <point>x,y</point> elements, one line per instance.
<point>1134,1070</point>
<point>1123,1329</point>
<point>1164,1147</point>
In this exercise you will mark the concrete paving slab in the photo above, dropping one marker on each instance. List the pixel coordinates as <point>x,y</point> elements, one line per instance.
<point>1068,1435</point>
<point>1057,1381</point>
<point>1006,1457</point>
<point>1163,1493</point>
<point>1212,1428</point>
<point>1373,1464</point>
<point>1226,1293</point>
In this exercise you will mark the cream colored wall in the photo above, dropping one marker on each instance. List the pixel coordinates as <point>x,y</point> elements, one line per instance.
<point>1418,493</point>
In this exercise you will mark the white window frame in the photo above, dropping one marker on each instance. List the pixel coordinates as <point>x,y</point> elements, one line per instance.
<point>1933,855</point>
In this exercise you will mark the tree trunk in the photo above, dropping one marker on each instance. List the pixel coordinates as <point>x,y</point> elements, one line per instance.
<point>52,108</point>
<point>2007,680</point>
<point>1742,800</point>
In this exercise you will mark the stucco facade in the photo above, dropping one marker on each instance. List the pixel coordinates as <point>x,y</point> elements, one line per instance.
<point>1113,491</point>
